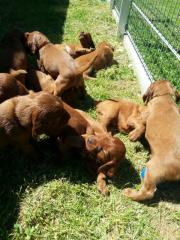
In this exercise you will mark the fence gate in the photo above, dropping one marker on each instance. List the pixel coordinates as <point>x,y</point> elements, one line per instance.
<point>153,27</point>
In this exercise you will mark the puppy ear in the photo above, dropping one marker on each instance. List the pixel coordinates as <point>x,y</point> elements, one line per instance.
<point>34,44</point>
<point>107,168</point>
<point>148,94</point>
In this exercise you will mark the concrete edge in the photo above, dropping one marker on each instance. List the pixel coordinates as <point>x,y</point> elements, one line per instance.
<point>139,70</point>
<point>115,15</point>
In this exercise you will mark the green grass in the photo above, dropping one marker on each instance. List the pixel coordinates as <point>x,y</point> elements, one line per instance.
<point>48,201</point>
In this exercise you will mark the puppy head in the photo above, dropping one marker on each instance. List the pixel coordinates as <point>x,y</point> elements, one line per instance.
<point>48,115</point>
<point>86,40</point>
<point>107,151</point>
<point>160,88</point>
<point>35,40</point>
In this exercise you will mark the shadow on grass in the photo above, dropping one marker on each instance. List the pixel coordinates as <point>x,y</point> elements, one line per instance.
<point>126,176</point>
<point>87,103</point>
<point>18,173</point>
<point>81,103</point>
<point>47,16</point>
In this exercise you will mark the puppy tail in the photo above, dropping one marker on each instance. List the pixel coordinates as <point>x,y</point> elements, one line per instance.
<point>86,66</point>
<point>16,73</point>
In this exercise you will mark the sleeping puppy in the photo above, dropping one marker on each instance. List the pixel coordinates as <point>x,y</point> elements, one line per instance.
<point>10,86</point>
<point>103,153</point>
<point>13,53</point>
<point>104,59</point>
<point>58,63</point>
<point>121,115</point>
<point>25,117</point>
<point>162,121</point>
<point>77,50</point>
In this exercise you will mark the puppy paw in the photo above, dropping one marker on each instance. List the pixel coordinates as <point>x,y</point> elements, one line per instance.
<point>127,191</point>
<point>131,193</point>
<point>104,191</point>
<point>133,136</point>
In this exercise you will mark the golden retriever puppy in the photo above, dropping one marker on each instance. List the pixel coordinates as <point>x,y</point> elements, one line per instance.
<point>104,53</point>
<point>121,115</point>
<point>162,132</point>
<point>25,117</point>
<point>102,152</point>
<point>10,86</point>
<point>58,63</point>
<point>13,53</point>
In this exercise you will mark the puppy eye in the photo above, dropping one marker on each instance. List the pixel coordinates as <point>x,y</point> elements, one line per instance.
<point>90,141</point>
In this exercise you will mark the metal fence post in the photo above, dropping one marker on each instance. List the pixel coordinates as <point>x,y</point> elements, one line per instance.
<point>123,16</point>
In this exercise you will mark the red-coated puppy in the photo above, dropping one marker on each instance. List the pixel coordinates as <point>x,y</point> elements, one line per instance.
<point>121,115</point>
<point>103,153</point>
<point>25,117</point>
<point>58,63</point>
<point>10,86</point>
<point>162,120</point>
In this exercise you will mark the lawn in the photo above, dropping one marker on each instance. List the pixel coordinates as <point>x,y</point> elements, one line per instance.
<point>45,200</point>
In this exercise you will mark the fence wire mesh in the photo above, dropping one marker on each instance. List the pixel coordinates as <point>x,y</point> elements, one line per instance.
<point>117,4</point>
<point>154,28</point>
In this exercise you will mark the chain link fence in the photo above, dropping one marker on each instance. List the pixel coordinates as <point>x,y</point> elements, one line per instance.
<point>153,27</point>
